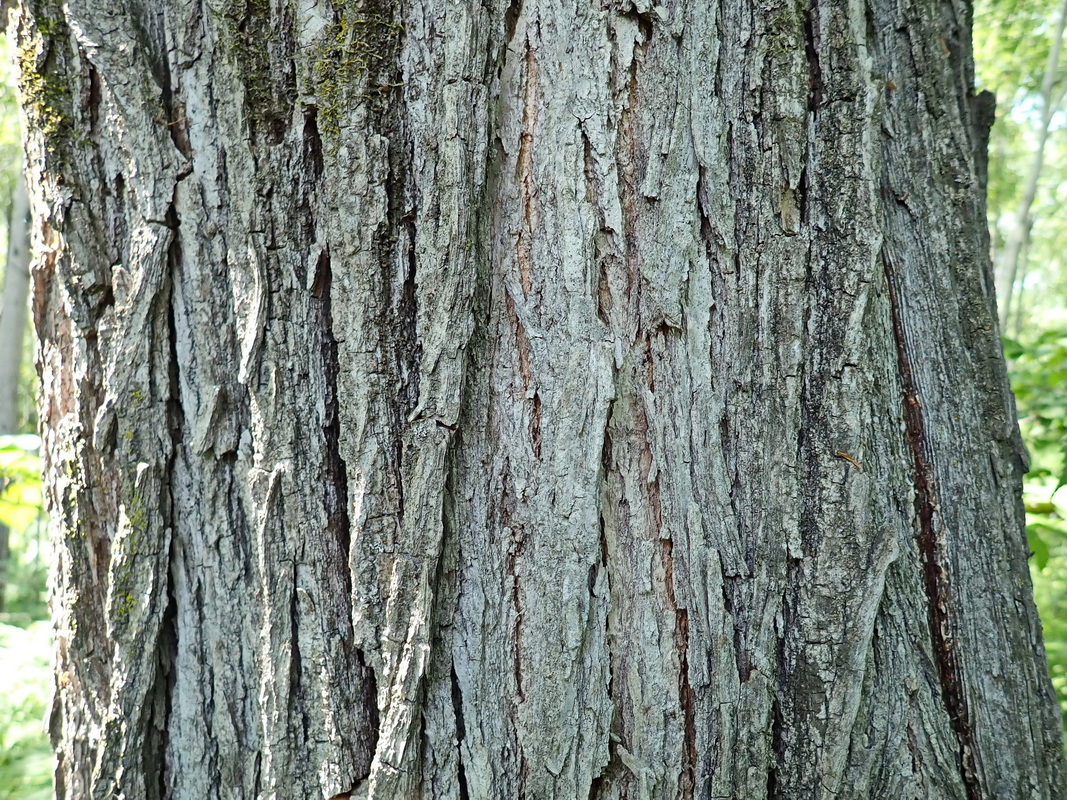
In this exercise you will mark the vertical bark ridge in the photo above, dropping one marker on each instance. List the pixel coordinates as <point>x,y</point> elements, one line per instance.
<point>932,545</point>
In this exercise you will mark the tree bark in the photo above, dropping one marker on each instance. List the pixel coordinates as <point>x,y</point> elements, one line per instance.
<point>544,400</point>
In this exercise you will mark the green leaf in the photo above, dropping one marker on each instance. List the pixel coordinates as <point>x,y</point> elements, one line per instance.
<point>1038,546</point>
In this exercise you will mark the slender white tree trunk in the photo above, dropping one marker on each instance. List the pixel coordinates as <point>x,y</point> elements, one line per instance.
<point>14,307</point>
<point>545,400</point>
<point>1019,233</point>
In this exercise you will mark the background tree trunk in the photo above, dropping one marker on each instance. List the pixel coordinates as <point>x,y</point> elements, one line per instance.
<point>14,307</point>
<point>1019,235</point>
<point>544,400</point>
<point>14,310</point>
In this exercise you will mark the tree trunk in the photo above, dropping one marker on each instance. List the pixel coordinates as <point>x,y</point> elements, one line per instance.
<point>14,307</point>
<point>13,314</point>
<point>1019,233</point>
<point>568,400</point>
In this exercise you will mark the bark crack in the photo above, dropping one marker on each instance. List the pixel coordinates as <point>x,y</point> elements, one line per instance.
<point>511,20</point>
<point>461,734</point>
<point>597,784</point>
<point>336,483</point>
<point>516,603</point>
<point>167,642</point>
<point>525,164</point>
<point>816,86</point>
<point>686,696</point>
<point>297,706</point>
<point>312,143</point>
<point>777,747</point>
<point>932,544</point>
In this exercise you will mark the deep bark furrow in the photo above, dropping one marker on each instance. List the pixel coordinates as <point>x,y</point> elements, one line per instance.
<point>691,762</point>
<point>930,537</point>
<point>168,630</point>
<point>457,707</point>
<point>687,781</point>
<point>336,478</point>
<point>811,51</point>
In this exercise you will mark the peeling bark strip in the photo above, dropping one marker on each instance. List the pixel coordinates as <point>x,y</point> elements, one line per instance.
<point>931,537</point>
<point>457,400</point>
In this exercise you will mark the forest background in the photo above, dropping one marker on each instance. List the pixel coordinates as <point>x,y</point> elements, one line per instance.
<point>1018,53</point>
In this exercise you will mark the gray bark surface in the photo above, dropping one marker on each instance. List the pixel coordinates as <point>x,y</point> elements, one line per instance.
<point>553,400</point>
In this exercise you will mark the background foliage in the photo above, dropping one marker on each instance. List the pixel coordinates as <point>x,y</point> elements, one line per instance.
<point>25,633</point>
<point>25,640</point>
<point>1012,40</point>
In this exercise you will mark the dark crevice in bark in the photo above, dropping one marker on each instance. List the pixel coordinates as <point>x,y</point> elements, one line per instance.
<point>596,786</point>
<point>645,23</point>
<point>511,20</point>
<point>167,642</point>
<point>395,245</point>
<point>932,544</point>
<point>611,770</point>
<point>336,483</point>
<point>372,723</point>
<point>686,696</point>
<point>650,359</point>
<point>402,329</point>
<point>337,501</point>
<point>535,426</point>
<point>732,594</point>
<point>592,181</point>
<point>175,413</point>
<point>631,161</point>
<point>94,98</point>
<point>461,733</point>
<point>816,87</point>
<point>257,782</point>
<point>296,692</point>
<point>172,114</point>
<point>615,729</point>
<point>705,220</point>
<point>777,746</point>
<point>516,602</point>
<point>312,144</point>
<point>166,679</point>
<point>525,165</point>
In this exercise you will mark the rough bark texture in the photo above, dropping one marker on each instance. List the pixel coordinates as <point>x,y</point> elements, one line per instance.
<point>546,400</point>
